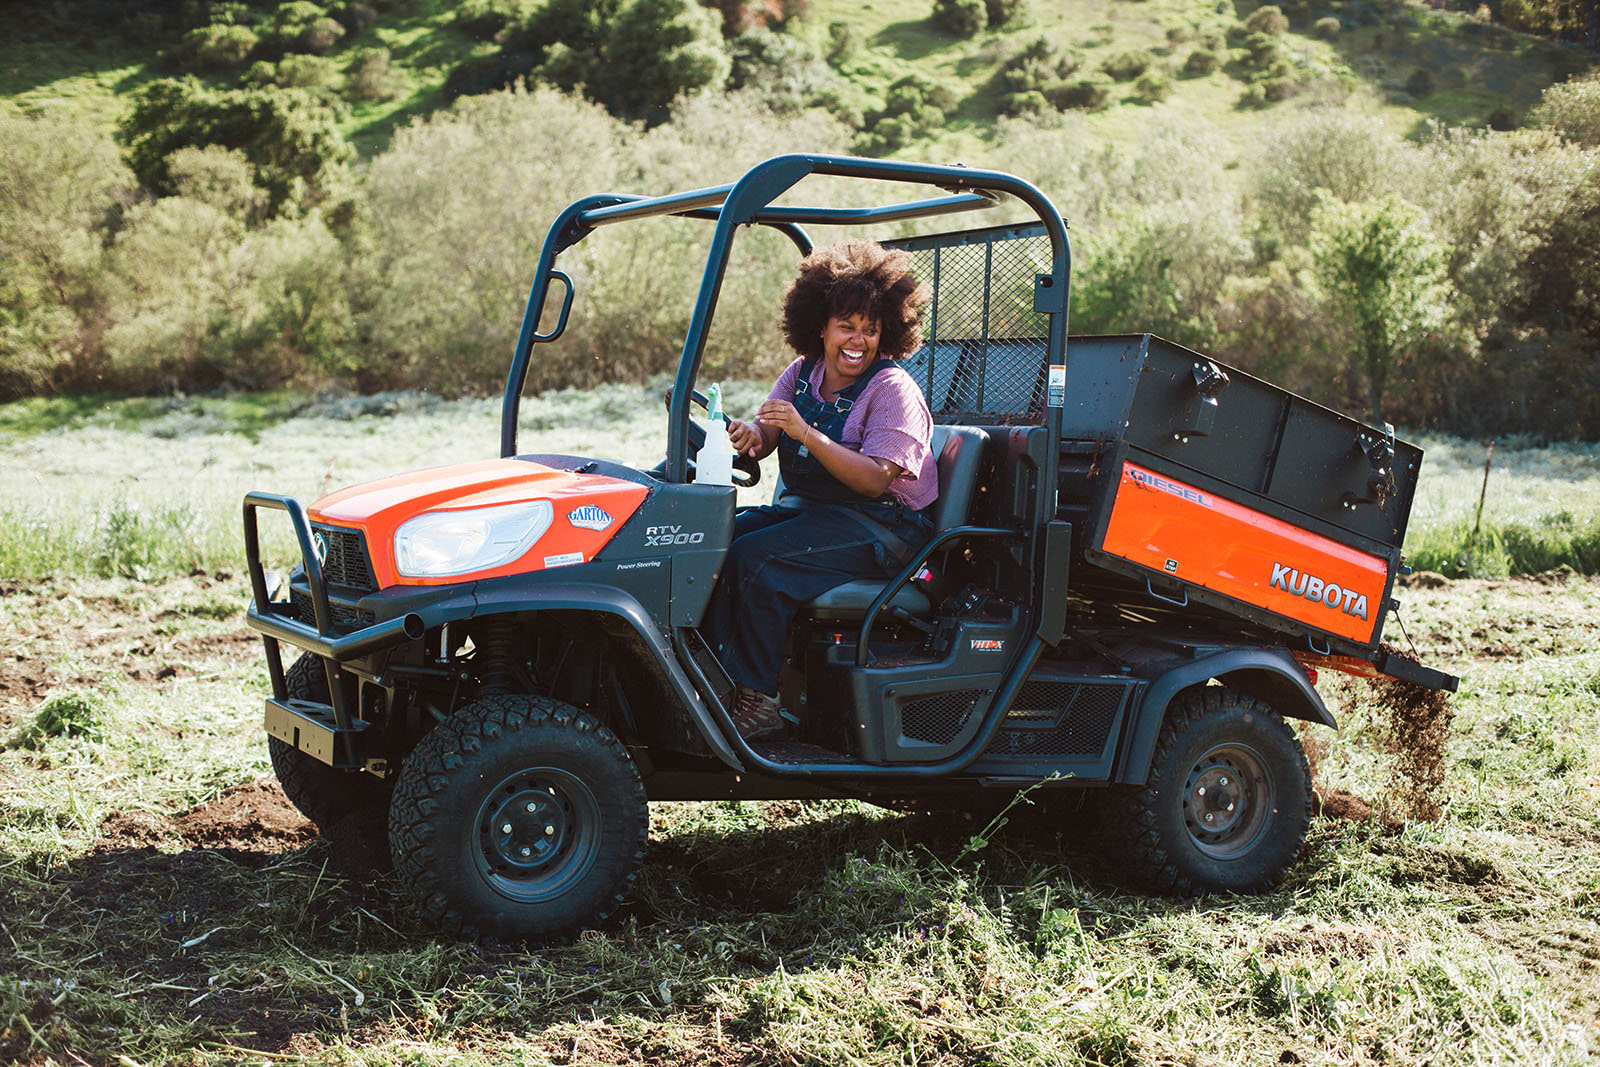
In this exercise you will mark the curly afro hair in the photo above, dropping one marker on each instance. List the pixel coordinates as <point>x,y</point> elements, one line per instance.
<point>853,278</point>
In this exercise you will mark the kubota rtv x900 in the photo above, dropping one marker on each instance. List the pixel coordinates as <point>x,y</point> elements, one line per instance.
<point>1140,555</point>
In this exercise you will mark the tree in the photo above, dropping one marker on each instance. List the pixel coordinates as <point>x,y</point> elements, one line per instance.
<point>1381,275</point>
<point>656,51</point>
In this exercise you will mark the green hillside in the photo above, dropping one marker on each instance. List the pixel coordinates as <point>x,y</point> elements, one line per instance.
<point>86,58</point>
<point>1388,207</point>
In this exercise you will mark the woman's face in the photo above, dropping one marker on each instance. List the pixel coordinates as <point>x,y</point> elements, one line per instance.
<point>849,345</point>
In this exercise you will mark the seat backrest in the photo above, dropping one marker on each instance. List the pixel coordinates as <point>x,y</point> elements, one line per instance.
<point>960,452</point>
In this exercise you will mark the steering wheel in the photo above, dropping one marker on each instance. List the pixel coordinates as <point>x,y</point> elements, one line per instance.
<point>746,470</point>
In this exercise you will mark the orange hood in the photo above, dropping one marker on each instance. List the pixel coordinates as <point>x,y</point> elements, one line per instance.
<point>589,509</point>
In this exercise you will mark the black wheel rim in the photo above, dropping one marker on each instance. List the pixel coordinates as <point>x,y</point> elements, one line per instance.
<point>538,832</point>
<point>1227,800</point>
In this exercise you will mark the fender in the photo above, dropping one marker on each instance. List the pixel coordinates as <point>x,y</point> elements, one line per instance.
<point>1273,675</point>
<point>517,594</point>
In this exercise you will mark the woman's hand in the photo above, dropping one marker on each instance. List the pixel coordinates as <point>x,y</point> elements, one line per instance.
<point>746,438</point>
<point>781,415</point>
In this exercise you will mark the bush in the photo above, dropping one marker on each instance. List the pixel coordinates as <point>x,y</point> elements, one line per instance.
<point>1570,109</point>
<point>356,16</point>
<point>1263,50</point>
<point>64,186</point>
<point>1268,19</point>
<point>217,47</point>
<point>299,71</point>
<point>290,139</point>
<point>1327,28</point>
<point>1085,94</point>
<point>914,106</point>
<point>779,69</point>
<point>1153,86</point>
<point>1039,65</point>
<point>841,42</point>
<point>1005,12</point>
<point>300,26</point>
<point>963,18</point>
<point>1029,102</point>
<point>367,77</point>
<point>1126,66</point>
<point>1200,63</point>
<point>1420,83</point>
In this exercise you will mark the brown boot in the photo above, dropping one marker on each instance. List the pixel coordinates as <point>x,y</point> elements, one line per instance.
<point>755,715</point>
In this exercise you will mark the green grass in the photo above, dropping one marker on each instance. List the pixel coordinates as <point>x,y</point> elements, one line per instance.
<point>160,906</point>
<point>164,911</point>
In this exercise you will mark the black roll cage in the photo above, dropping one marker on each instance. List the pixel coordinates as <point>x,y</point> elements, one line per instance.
<point>749,201</point>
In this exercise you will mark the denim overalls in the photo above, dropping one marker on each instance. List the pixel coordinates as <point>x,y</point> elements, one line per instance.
<point>820,534</point>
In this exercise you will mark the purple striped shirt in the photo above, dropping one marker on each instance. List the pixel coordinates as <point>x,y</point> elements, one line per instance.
<point>890,421</point>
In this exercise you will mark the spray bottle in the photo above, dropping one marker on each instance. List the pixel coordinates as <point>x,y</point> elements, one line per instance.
<point>714,462</point>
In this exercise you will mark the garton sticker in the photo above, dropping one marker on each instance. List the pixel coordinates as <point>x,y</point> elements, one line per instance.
<point>589,517</point>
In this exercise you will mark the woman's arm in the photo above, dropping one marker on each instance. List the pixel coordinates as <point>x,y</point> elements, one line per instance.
<point>866,475</point>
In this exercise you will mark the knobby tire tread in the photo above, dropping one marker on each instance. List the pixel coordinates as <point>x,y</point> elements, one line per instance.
<point>1134,811</point>
<point>429,771</point>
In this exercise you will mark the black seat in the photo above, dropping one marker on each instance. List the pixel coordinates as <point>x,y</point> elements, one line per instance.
<point>960,452</point>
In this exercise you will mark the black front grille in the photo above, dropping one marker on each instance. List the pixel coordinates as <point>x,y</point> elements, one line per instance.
<point>1059,719</point>
<point>938,719</point>
<point>345,616</point>
<point>345,562</point>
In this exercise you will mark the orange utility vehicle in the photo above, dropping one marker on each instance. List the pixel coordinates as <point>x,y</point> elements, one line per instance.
<point>1140,558</point>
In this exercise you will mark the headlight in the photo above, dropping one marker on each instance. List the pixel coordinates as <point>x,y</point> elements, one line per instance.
<point>443,543</point>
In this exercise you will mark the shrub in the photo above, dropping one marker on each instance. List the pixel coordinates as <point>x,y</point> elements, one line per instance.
<point>841,42</point>
<point>914,106</point>
<point>217,47</point>
<point>963,18</point>
<point>366,76</point>
<point>301,26</point>
<point>356,16</point>
<point>1263,50</point>
<point>289,138</point>
<point>1005,12</point>
<point>778,68</point>
<point>1126,66</point>
<point>1327,28</point>
<point>1153,86</point>
<point>1268,19</point>
<point>1040,64</point>
<point>299,71</point>
<point>1200,63</point>
<point>1570,109</point>
<point>1348,153</point>
<point>64,184</point>
<point>1028,102</point>
<point>1084,94</point>
<point>1420,83</point>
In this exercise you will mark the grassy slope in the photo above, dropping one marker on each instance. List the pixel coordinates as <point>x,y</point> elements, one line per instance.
<point>158,906</point>
<point>1477,72</point>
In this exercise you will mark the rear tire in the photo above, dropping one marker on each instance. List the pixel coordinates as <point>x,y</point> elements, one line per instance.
<point>326,796</point>
<point>1227,802</point>
<point>519,817</point>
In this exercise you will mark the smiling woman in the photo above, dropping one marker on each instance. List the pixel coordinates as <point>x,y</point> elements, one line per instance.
<point>852,433</point>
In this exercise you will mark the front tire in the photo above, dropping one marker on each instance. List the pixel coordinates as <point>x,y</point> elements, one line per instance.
<point>518,817</point>
<point>1227,802</point>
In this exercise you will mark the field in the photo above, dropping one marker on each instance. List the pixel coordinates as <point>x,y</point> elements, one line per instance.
<point>161,903</point>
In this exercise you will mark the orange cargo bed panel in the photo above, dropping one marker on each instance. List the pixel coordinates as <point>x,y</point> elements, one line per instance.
<point>1204,540</point>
